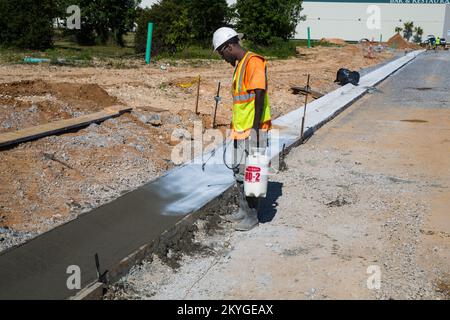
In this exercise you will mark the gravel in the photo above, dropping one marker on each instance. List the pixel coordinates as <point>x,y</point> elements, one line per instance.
<point>10,238</point>
<point>75,174</point>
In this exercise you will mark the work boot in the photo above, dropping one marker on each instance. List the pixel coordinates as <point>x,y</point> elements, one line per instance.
<point>243,207</point>
<point>236,216</point>
<point>249,222</point>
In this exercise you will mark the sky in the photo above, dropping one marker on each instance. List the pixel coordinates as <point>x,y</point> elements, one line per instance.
<point>147,3</point>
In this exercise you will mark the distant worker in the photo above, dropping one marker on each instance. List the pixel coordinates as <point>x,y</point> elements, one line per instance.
<point>431,42</point>
<point>251,119</point>
<point>438,43</point>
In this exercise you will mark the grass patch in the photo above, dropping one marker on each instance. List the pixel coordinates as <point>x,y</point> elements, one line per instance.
<point>281,50</point>
<point>314,43</point>
<point>277,50</point>
<point>285,49</point>
<point>65,48</point>
<point>190,52</point>
<point>68,52</point>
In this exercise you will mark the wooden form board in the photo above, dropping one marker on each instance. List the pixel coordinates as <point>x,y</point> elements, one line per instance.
<point>36,132</point>
<point>303,90</point>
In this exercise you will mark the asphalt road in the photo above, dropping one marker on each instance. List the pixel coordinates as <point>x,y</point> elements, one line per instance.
<point>425,84</point>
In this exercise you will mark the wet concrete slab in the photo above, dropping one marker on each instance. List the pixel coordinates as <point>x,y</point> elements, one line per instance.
<point>38,268</point>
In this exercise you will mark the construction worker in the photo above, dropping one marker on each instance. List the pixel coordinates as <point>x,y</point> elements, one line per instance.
<point>438,43</point>
<point>251,118</point>
<point>431,41</point>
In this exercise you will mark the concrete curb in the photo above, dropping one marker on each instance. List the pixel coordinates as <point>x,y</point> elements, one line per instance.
<point>326,108</point>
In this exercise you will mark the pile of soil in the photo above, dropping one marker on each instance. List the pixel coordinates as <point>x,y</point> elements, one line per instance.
<point>79,94</point>
<point>336,41</point>
<point>34,102</point>
<point>398,42</point>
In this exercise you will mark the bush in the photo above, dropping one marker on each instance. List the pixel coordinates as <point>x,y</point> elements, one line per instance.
<point>276,48</point>
<point>171,30</point>
<point>408,28</point>
<point>102,20</point>
<point>206,16</point>
<point>191,52</point>
<point>27,24</point>
<point>263,20</point>
<point>179,23</point>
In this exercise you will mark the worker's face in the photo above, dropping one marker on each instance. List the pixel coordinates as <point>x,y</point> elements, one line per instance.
<point>227,54</point>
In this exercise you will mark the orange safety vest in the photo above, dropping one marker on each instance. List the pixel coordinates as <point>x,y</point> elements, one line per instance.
<point>244,102</point>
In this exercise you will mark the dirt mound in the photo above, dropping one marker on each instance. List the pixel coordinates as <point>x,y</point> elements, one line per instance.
<point>89,93</point>
<point>398,42</point>
<point>336,41</point>
<point>73,93</point>
<point>34,102</point>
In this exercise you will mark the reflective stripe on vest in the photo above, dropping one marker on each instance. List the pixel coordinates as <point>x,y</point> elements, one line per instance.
<point>244,97</point>
<point>244,102</point>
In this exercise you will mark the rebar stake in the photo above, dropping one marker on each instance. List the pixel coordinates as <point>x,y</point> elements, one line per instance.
<point>217,98</point>
<point>304,109</point>
<point>198,94</point>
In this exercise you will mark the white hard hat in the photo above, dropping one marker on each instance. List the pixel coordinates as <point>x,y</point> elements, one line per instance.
<point>222,35</point>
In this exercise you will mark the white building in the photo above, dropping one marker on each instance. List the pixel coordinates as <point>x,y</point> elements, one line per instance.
<point>354,20</point>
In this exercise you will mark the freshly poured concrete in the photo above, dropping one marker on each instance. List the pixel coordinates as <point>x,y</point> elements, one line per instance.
<point>37,269</point>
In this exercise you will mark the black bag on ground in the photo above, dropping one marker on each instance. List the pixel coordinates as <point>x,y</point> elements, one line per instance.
<point>345,76</point>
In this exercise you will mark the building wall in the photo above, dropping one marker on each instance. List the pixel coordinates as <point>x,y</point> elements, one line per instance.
<point>349,20</point>
<point>446,30</point>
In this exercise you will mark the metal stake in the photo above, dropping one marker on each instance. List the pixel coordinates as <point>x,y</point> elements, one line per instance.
<point>198,94</point>
<point>304,109</point>
<point>102,277</point>
<point>217,98</point>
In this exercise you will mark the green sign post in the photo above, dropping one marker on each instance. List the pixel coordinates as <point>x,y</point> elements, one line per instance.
<point>309,37</point>
<point>149,43</point>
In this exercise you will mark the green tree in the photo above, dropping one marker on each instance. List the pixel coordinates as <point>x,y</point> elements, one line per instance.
<point>103,20</point>
<point>398,30</point>
<point>408,28</point>
<point>172,28</point>
<point>27,23</point>
<point>262,21</point>
<point>418,34</point>
<point>206,16</point>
